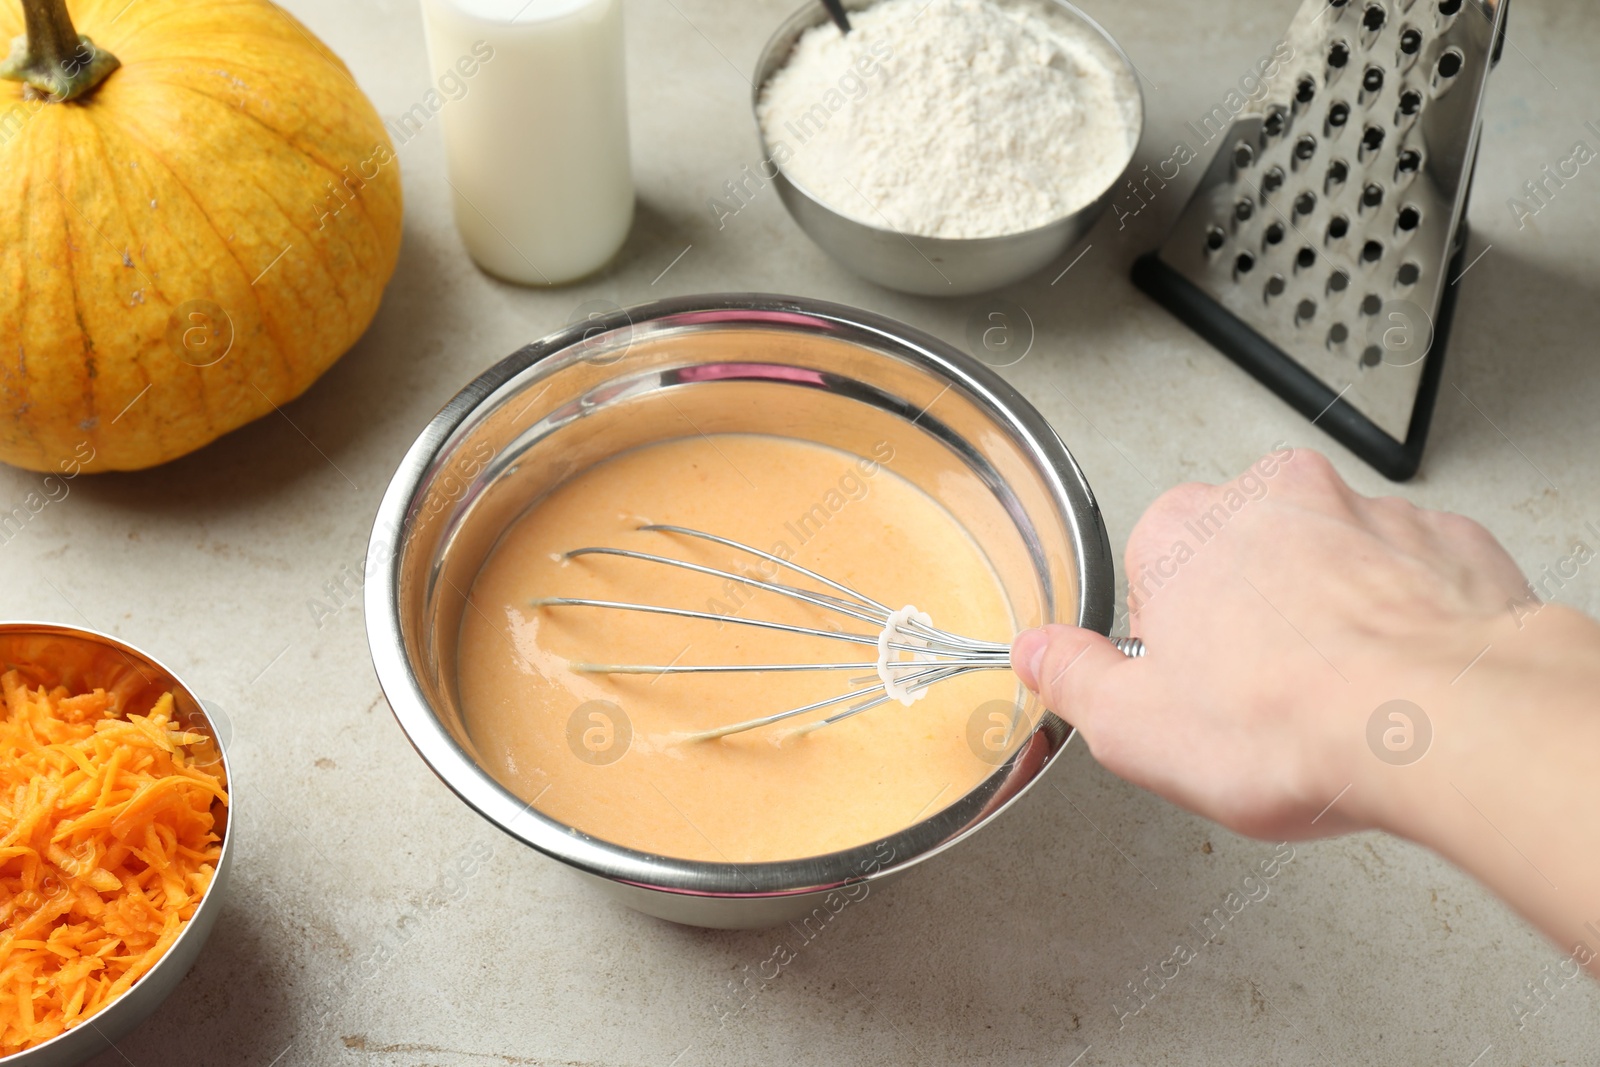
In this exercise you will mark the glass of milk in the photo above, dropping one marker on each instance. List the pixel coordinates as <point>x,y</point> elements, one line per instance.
<point>536,142</point>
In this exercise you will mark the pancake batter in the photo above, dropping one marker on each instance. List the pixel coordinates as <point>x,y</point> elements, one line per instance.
<point>604,753</point>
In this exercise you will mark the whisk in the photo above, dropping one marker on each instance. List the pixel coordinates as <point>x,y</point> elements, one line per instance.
<point>912,654</point>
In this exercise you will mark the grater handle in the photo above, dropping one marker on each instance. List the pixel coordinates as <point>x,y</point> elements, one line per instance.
<point>1500,38</point>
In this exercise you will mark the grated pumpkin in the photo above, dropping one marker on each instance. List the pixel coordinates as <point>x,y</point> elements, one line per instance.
<point>107,844</point>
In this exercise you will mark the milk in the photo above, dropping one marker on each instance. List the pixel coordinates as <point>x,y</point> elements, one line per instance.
<point>537,144</point>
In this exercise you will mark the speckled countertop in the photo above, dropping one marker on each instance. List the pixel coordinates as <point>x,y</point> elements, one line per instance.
<point>345,941</point>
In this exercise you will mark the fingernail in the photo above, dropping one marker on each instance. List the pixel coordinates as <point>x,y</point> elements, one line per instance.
<point>1027,656</point>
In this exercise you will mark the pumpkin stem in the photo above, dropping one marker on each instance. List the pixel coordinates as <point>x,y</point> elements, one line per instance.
<point>53,58</point>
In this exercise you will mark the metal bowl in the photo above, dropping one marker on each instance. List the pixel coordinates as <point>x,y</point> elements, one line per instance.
<point>932,266</point>
<point>90,658</point>
<point>709,364</point>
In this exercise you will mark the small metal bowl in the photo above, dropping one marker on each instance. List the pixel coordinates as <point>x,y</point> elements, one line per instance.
<point>721,364</point>
<point>931,266</point>
<point>90,658</point>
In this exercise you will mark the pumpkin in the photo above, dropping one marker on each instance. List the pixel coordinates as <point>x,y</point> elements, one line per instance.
<point>199,210</point>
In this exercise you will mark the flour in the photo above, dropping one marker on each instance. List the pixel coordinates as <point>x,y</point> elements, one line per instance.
<point>987,117</point>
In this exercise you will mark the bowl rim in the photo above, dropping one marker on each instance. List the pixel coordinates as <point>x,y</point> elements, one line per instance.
<point>812,14</point>
<point>452,764</point>
<point>178,948</point>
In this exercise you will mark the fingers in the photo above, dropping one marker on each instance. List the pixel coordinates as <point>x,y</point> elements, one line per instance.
<point>1076,671</point>
<point>1162,523</point>
<point>1310,473</point>
<point>1485,559</point>
<point>1449,543</point>
<point>1200,510</point>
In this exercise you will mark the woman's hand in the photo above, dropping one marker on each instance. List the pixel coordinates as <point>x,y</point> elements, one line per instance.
<point>1284,616</point>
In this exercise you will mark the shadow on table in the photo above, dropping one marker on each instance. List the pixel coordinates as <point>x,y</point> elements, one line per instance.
<point>1521,355</point>
<point>231,1008</point>
<point>1029,942</point>
<point>1012,947</point>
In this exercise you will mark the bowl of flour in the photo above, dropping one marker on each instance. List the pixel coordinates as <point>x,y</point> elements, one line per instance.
<point>946,147</point>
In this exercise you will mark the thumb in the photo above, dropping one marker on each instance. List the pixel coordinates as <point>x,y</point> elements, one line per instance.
<point>1068,667</point>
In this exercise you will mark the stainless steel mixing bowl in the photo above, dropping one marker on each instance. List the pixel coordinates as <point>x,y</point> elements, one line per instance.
<point>87,658</point>
<point>720,364</point>
<point>934,266</point>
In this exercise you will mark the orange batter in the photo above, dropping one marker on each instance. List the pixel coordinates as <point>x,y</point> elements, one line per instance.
<point>605,753</point>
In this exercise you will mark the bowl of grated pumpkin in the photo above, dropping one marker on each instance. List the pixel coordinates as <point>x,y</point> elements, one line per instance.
<point>114,843</point>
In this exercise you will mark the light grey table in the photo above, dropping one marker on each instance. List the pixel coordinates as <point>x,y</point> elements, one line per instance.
<point>343,942</point>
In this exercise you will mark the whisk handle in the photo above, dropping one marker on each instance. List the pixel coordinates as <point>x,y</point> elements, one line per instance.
<point>837,13</point>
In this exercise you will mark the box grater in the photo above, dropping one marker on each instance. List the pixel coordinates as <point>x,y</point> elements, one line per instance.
<point>1322,248</point>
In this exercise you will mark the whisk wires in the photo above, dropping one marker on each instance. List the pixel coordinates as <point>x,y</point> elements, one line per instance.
<point>934,655</point>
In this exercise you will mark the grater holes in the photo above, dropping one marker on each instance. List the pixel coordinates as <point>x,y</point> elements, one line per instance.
<point>1305,311</point>
<point>1372,85</point>
<point>1407,164</point>
<point>1304,149</point>
<point>1338,115</point>
<point>1410,41</point>
<point>1305,203</point>
<point>1276,122</point>
<point>1338,334</point>
<point>1274,287</point>
<point>1450,64</point>
<point>1338,282</point>
<point>1215,239</point>
<point>1338,226</point>
<point>1410,104</point>
<point>1372,23</point>
<point>1338,171</point>
<point>1447,8</point>
<point>1243,210</point>
<point>1371,356</point>
<point>1371,142</point>
<point>1371,304</point>
<point>1274,235</point>
<point>1306,258</point>
<point>1272,180</point>
<point>1371,197</point>
<point>1408,274</point>
<point>1372,251</point>
<point>1306,90</point>
<point>1244,263</point>
<point>1408,220</point>
<point>1338,59</point>
<point>1243,155</point>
